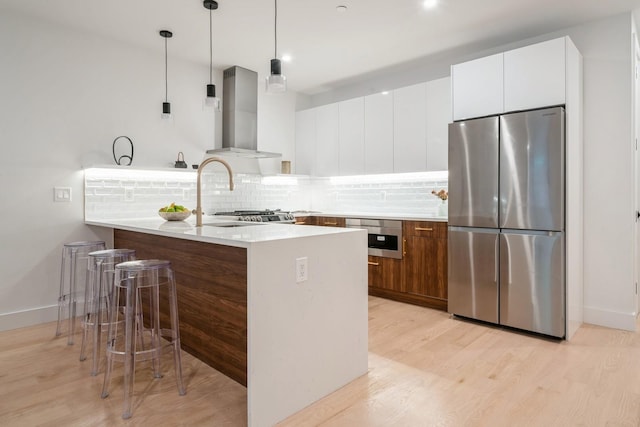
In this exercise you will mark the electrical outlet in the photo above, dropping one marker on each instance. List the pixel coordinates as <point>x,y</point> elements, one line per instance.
<point>61,194</point>
<point>185,194</point>
<point>302,273</point>
<point>128,194</point>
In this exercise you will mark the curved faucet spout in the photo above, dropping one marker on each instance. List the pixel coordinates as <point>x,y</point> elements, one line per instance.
<point>199,185</point>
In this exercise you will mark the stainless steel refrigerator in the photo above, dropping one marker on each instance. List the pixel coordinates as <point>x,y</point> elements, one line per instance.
<point>506,220</point>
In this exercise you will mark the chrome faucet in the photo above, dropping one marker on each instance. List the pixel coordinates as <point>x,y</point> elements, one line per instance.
<point>199,185</point>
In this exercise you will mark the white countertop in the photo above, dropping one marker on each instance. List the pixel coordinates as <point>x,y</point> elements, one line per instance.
<point>369,215</point>
<point>242,236</point>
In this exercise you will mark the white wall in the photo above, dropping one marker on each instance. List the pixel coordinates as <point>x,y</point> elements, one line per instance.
<point>609,297</point>
<point>65,95</point>
<point>609,291</point>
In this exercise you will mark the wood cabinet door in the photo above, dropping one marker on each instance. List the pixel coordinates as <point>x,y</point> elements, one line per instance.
<point>424,269</point>
<point>385,273</point>
<point>306,220</point>
<point>328,221</point>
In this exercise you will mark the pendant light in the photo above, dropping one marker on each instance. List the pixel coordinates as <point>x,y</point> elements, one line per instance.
<point>211,100</point>
<point>276,82</point>
<point>166,105</point>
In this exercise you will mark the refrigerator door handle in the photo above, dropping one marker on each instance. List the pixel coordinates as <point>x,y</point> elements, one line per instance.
<point>496,259</point>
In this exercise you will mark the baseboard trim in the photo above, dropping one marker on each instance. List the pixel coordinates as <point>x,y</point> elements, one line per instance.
<point>610,319</point>
<point>30,317</point>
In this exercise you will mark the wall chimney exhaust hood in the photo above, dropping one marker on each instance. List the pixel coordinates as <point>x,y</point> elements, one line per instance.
<point>240,116</point>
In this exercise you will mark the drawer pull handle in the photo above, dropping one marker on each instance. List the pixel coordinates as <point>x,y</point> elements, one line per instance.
<point>373,263</point>
<point>299,223</point>
<point>404,247</point>
<point>330,223</point>
<point>424,228</point>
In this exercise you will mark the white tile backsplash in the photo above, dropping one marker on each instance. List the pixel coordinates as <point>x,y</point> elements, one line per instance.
<point>150,190</point>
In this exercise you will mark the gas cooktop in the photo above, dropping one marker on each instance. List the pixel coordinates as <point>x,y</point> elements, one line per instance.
<point>261,216</point>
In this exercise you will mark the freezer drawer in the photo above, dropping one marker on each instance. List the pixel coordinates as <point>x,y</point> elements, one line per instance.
<point>473,173</point>
<point>532,170</point>
<point>473,273</point>
<point>532,282</point>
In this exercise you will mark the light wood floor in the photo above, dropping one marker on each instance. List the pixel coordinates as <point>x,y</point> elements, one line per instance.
<point>425,369</point>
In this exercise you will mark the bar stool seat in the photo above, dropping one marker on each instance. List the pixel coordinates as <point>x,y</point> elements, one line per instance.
<point>141,282</point>
<point>98,295</point>
<point>73,272</point>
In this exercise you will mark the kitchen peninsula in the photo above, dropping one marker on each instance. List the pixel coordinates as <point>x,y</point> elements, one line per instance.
<point>243,311</point>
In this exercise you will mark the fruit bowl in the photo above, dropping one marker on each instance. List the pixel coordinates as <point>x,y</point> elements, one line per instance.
<point>175,216</point>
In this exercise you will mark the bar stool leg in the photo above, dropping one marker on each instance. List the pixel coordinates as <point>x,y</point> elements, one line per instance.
<point>175,326</point>
<point>156,332</point>
<point>130,346</point>
<point>61,296</point>
<point>111,339</point>
<point>72,298</point>
<point>97,309</point>
<point>89,307</point>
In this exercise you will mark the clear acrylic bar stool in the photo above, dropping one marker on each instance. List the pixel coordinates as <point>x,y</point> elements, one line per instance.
<point>97,299</point>
<point>141,283</point>
<point>73,272</point>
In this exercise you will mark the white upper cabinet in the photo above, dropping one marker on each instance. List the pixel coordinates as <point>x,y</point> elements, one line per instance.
<point>534,76</point>
<point>410,128</point>
<point>305,142</point>
<point>327,142</point>
<point>351,135</point>
<point>520,79</point>
<point>438,119</point>
<point>477,87</point>
<point>378,133</point>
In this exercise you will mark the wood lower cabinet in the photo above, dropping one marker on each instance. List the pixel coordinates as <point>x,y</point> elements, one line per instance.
<point>328,221</point>
<point>325,221</point>
<point>306,220</point>
<point>420,277</point>
<point>424,272</point>
<point>385,273</point>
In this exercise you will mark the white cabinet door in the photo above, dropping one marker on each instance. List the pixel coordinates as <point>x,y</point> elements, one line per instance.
<point>438,119</point>
<point>327,142</point>
<point>378,133</point>
<point>305,142</point>
<point>410,128</point>
<point>477,87</point>
<point>534,76</point>
<point>351,135</point>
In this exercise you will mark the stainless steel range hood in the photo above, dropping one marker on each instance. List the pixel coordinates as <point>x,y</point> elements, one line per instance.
<point>240,116</point>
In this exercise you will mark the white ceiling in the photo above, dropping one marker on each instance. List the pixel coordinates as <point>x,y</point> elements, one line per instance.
<point>327,47</point>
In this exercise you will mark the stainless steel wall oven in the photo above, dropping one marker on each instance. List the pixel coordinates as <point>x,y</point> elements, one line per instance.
<point>384,236</point>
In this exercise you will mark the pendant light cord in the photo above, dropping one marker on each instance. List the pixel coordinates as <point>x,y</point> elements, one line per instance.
<point>166,73</point>
<point>275,30</point>
<point>210,47</point>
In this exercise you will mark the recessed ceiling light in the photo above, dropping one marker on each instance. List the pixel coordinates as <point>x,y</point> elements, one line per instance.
<point>429,4</point>
<point>385,92</point>
<point>341,8</point>
<point>286,58</point>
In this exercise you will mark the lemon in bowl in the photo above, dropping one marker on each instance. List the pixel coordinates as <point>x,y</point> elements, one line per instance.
<point>174,212</point>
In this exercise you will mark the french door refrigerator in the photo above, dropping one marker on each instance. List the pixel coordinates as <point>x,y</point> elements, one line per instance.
<point>506,220</point>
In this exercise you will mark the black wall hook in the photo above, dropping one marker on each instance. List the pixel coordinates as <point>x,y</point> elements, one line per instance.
<point>124,156</point>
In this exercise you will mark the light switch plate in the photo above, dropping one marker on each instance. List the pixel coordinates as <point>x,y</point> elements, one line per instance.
<point>61,194</point>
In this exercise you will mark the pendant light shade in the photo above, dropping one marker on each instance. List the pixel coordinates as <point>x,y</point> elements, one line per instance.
<point>276,82</point>
<point>166,105</point>
<point>211,101</point>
